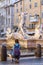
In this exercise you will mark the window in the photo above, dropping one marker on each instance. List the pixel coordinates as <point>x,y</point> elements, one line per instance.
<point>42,26</point>
<point>21,9</point>
<point>30,0</point>
<point>20,2</point>
<point>30,16</point>
<point>25,17</point>
<point>2,30</point>
<point>9,22</point>
<point>16,4</point>
<point>9,11</point>
<point>41,2</point>
<point>42,15</point>
<point>35,4</point>
<point>30,6</point>
<point>31,26</point>
<point>9,1</point>
<point>35,14</point>
<point>17,10</point>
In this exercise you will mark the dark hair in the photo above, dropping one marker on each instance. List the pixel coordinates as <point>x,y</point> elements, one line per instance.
<point>16,41</point>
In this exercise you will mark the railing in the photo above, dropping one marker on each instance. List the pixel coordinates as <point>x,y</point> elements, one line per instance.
<point>34,19</point>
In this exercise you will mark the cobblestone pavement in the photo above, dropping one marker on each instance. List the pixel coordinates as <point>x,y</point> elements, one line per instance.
<point>24,61</point>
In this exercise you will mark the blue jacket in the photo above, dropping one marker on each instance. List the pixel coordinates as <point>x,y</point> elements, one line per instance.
<point>15,46</point>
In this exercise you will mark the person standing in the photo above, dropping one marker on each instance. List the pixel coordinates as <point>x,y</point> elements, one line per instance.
<point>16,50</point>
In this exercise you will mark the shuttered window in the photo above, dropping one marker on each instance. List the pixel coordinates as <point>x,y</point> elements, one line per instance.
<point>31,26</point>
<point>41,2</point>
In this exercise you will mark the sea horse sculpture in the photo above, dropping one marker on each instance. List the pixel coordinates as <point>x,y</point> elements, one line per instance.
<point>24,33</point>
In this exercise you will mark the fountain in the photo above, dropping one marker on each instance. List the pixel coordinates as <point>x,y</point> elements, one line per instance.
<point>24,34</point>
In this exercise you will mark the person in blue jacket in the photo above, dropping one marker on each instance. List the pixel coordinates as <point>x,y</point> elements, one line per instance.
<point>16,50</point>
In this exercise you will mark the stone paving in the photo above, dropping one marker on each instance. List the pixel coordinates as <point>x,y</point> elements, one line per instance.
<point>25,61</point>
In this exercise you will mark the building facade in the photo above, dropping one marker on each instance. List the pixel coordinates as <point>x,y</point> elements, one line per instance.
<point>32,8</point>
<point>7,11</point>
<point>2,20</point>
<point>9,17</point>
<point>33,19</point>
<point>18,9</point>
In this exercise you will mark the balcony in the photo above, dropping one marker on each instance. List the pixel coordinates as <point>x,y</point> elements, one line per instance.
<point>34,18</point>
